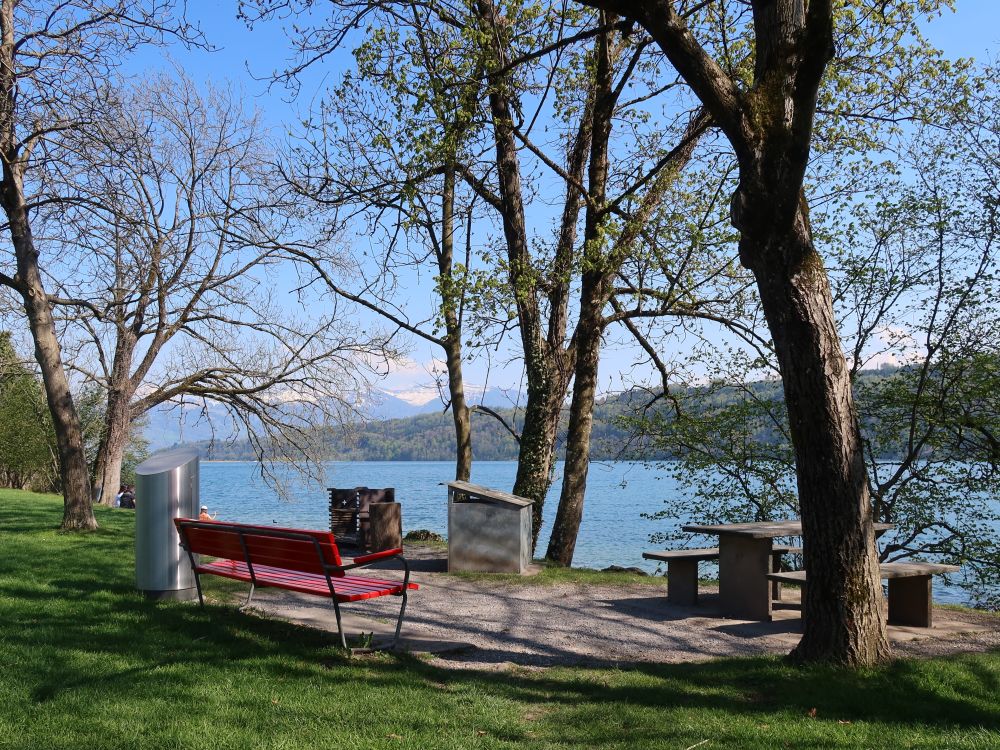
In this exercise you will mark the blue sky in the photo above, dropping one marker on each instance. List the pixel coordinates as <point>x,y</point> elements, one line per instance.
<point>242,54</point>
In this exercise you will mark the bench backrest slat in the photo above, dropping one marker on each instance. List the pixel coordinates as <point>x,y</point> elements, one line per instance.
<point>265,545</point>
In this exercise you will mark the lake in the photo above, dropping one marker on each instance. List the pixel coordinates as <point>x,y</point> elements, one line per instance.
<point>613,531</point>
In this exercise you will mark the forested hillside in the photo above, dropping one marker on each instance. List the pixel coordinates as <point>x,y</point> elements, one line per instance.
<point>620,430</point>
<point>431,437</point>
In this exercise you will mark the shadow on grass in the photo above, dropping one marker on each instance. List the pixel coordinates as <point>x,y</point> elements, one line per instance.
<point>75,623</point>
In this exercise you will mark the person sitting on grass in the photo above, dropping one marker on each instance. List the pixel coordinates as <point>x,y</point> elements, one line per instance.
<point>205,515</point>
<point>127,499</point>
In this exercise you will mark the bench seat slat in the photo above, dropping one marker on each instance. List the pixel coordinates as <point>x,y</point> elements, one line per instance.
<point>705,553</point>
<point>347,588</point>
<point>910,569</point>
<point>886,570</point>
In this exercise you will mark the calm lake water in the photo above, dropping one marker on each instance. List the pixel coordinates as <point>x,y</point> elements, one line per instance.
<point>612,533</point>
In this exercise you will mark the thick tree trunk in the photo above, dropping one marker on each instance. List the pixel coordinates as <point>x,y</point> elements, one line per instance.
<point>111,452</point>
<point>537,446</point>
<point>77,510</point>
<point>770,128</point>
<point>843,614</point>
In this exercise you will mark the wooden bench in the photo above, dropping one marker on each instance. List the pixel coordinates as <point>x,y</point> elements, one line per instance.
<point>910,600</point>
<point>294,559</point>
<point>682,570</point>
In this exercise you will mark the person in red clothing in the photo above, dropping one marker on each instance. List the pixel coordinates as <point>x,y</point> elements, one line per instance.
<point>205,515</point>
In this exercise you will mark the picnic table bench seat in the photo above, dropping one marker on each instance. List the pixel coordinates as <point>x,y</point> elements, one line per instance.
<point>910,599</point>
<point>682,570</point>
<point>301,560</point>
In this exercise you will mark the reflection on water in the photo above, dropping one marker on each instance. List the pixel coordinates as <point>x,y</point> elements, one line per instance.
<point>612,532</point>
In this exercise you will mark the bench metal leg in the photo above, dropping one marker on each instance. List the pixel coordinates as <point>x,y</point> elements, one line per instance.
<point>402,606</point>
<point>910,601</point>
<point>340,625</point>
<point>682,582</point>
<point>197,583</point>
<point>399,622</point>
<point>249,596</point>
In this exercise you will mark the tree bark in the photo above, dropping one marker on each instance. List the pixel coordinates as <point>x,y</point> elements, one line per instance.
<point>534,463</point>
<point>590,324</point>
<point>843,613</point>
<point>538,438</point>
<point>770,128</point>
<point>452,343</point>
<point>566,527</point>
<point>77,510</point>
<point>111,450</point>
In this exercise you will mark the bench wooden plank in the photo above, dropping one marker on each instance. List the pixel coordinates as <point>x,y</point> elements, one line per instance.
<point>788,576</point>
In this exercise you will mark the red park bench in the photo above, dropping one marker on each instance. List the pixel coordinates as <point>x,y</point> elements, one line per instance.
<point>292,559</point>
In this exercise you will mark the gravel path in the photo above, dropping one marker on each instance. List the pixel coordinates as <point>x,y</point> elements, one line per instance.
<point>536,625</point>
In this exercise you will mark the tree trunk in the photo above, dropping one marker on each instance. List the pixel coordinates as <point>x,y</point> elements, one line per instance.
<point>534,461</point>
<point>562,543</point>
<point>770,128</point>
<point>111,451</point>
<point>459,411</point>
<point>450,303</point>
<point>77,510</point>
<point>590,324</point>
<point>537,446</point>
<point>843,616</point>
<point>117,415</point>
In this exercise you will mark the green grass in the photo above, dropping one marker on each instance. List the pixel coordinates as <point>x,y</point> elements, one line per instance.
<point>86,662</point>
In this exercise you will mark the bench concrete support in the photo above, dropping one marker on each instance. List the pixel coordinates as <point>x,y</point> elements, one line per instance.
<point>910,601</point>
<point>682,582</point>
<point>776,554</point>
<point>744,590</point>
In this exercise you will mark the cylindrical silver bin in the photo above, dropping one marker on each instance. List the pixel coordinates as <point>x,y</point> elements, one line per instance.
<point>166,488</point>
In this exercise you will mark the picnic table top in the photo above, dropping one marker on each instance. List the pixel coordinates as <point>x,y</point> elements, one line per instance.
<point>761,529</point>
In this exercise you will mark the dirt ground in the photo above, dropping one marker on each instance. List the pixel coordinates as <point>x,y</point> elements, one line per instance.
<point>484,624</point>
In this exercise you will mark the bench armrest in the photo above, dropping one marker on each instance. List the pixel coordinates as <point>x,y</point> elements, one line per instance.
<point>362,560</point>
<point>365,559</point>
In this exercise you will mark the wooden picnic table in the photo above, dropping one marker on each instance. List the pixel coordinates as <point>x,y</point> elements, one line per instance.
<point>746,559</point>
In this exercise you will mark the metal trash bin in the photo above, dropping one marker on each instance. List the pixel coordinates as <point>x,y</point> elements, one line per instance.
<point>166,488</point>
<point>489,531</point>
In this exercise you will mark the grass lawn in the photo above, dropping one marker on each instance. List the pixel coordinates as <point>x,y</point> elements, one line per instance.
<point>86,662</point>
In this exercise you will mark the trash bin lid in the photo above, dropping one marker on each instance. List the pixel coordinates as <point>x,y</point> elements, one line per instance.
<point>478,491</point>
<point>166,461</point>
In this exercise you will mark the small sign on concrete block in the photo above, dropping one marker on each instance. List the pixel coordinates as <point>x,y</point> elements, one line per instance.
<point>489,531</point>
